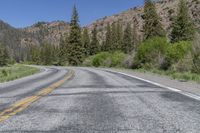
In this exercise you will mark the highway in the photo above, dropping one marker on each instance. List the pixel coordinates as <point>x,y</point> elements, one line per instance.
<point>93,100</point>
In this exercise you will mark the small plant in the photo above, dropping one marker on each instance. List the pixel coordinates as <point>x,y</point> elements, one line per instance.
<point>4,73</point>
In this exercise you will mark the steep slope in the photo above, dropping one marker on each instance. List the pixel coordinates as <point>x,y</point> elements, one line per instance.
<point>18,40</point>
<point>47,32</point>
<point>11,38</point>
<point>167,9</point>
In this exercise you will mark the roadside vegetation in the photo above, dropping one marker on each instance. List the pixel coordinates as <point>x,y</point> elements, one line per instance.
<point>8,73</point>
<point>176,54</point>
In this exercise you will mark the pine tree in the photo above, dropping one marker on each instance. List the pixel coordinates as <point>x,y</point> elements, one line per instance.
<point>35,54</point>
<point>182,27</point>
<point>47,54</point>
<point>55,55</point>
<point>119,31</point>
<point>94,45</point>
<point>135,39</point>
<point>127,40</point>
<point>86,42</point>
<point>75,48</point>
<point>114,42</point>
<point>152,26</point>
<point>4,57</point>
<point>63,50</point>
<point>108,42</point>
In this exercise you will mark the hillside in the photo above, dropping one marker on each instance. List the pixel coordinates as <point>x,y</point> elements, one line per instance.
<point>167,9</point>
<point>17,40</point>
<point>49,32</point>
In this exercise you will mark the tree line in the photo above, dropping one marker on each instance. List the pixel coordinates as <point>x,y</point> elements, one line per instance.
<point>79,44</point>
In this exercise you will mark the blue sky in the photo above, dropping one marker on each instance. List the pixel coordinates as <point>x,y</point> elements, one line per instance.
<point>21,13</point>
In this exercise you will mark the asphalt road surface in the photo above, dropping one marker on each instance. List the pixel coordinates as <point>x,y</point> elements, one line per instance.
<point>97,101</point>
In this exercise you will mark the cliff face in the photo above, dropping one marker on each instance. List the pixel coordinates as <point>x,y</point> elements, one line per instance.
<point>167,9</point>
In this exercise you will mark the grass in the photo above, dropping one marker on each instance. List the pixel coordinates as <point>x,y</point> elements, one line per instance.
<point>184,76</point>
<point>17,71</point>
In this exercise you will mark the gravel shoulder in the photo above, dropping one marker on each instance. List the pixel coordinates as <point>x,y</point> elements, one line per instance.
<point>189,86</point>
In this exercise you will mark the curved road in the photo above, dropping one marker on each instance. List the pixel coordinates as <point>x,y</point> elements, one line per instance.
<point>13,91</point>
<point>97,101</point>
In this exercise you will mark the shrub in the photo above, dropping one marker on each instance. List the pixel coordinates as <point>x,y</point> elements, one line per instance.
<point>4,73</point>
<point>183,65</point>
<point>105,59</point>
<point>196,55</point>
<point>151,53</point>
<point>99,59</point>
<point>177,51</point>
<point>88,61</point>
<point>117,58</point>
<point>128,62</point>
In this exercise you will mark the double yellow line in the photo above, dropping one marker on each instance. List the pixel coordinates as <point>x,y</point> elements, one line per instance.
<point>23,104</point>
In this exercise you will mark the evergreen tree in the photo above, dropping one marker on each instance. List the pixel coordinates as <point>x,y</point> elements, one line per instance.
<point>135,39</point>
<point>127,40</point>
<point>119,33</point>
<point>4,57</point>
<point>108,42</point>
<point>152,26</point>
<point>55,55</point>
<point>182,27</point>
<point>75,48</point>
<point>86,42</point>
<point>46,54</point>
<point>114,39</point>
<point>63,50</point>
<point>35,54</point>
<point>94,45</point>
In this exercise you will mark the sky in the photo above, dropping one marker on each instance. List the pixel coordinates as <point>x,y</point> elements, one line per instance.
<point>22,13</point>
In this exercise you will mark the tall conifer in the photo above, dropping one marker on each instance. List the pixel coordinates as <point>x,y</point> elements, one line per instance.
<point>182,27</point>
<point>127,40</point>
<point>108,42</point>
<point>94,45</point>
<point>86,41</point>
<point>152,25</point>
<point>75,47</point>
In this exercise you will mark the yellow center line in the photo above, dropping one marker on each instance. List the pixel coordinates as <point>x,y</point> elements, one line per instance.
<point>25,103</point>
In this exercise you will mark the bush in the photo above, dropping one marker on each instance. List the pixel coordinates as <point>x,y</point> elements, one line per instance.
<point>196,55</point>
<point>177,51</point>
<point>117,58</point>
<point>128,62</point>
<point>151,53</point>
<point>105,59</point>
<point>183,65</point>
<point>4,73</point>
<point>100,59</point>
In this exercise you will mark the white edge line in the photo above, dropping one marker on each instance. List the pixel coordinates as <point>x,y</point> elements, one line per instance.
<point>160,85</point>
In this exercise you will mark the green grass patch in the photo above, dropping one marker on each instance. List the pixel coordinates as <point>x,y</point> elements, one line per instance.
<point>184,76</point>
<point>13,72</point>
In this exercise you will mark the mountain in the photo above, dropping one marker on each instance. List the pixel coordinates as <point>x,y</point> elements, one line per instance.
<point>167,9</point>
<point>17,40</point>
<point>47,32</point>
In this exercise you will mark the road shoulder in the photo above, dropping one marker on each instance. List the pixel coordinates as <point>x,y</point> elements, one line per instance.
<point>189,86</point>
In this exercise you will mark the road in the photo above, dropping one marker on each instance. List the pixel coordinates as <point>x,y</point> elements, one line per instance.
<point>98,101</point>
